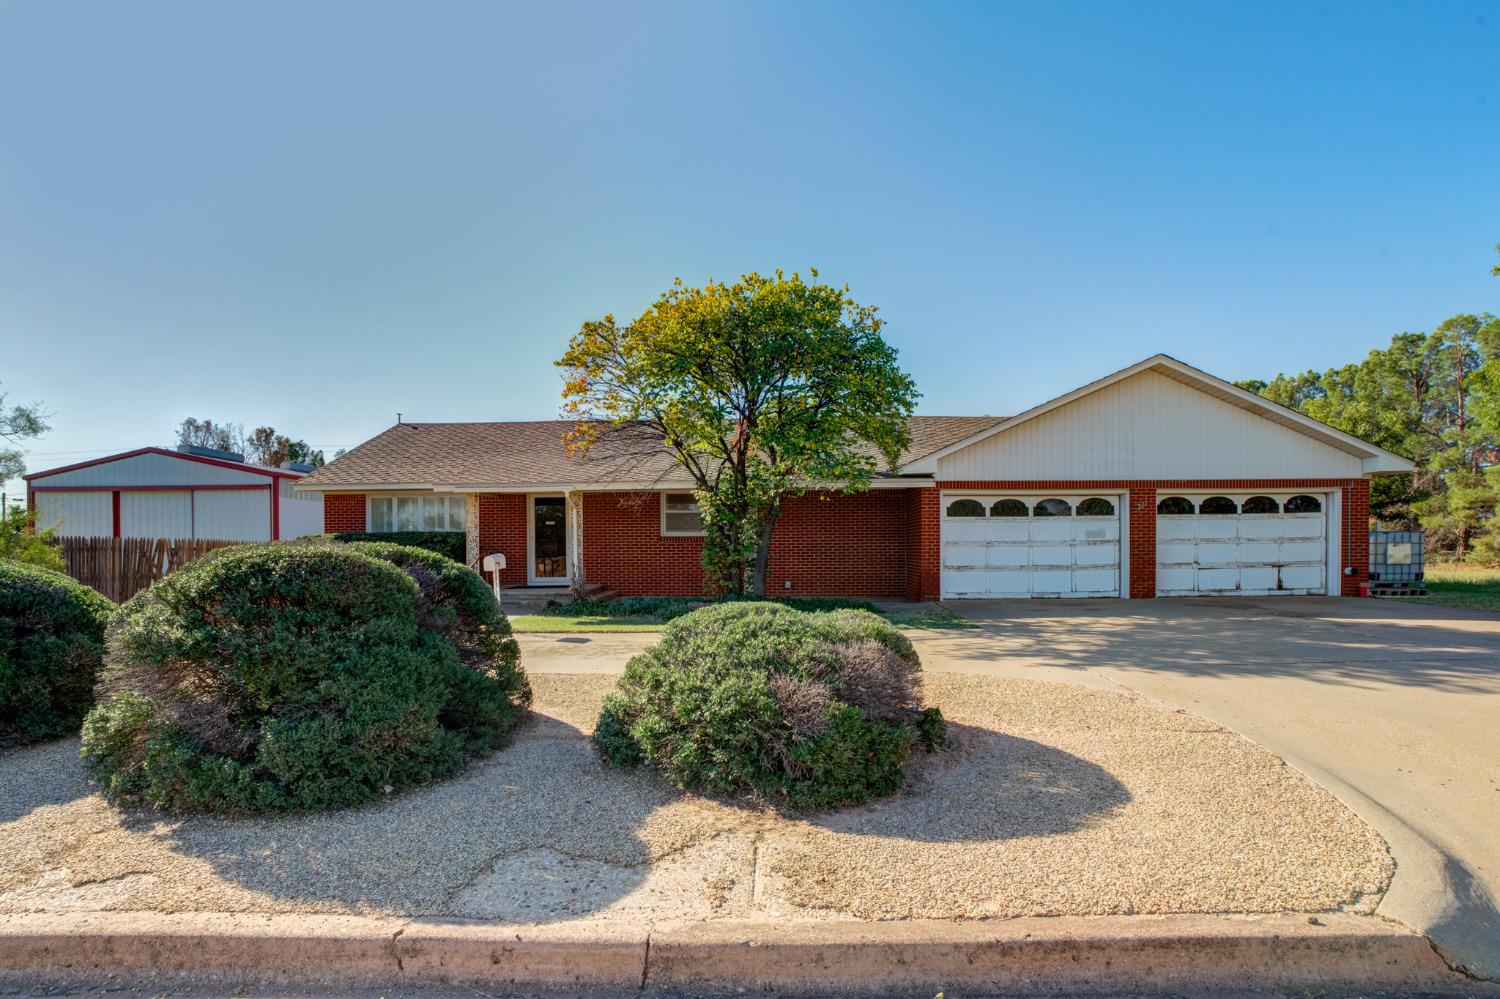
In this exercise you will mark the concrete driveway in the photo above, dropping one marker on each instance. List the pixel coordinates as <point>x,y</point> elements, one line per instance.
<point>1393,706</point>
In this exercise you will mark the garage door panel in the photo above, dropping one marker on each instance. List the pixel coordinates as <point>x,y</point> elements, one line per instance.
<point>1005,556</point>
<point>1051,581</point>
<point>1176,528</point>
<point>959,583</point>
<point>1261,528</point>
<point>1097,530</point>
<point>1014,583</point>
<point>1303,577</point>
<point>1218,527</point>
<point>1249,552</point>
<point>1051,555</point>
<point>1013,529</point>
<point>1259,577</point>
<point>964,556</point>
<point>1176,553</point>
<point>1100,581</point>
<point>1302,551</point>
<point>1090,555</point>
<point>1176,579</point>
<point>1302,526</point>
<point>965,530</point>
<point>1217,553</point>
<point>1052,529</point>
<point>1218,579</point>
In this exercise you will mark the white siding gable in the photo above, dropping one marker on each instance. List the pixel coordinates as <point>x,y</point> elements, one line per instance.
<point>152,470</point>
<point>1148,426</point>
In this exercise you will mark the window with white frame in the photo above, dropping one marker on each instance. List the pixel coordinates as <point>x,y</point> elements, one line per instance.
<point>416,513</point>
<point>680,514</point>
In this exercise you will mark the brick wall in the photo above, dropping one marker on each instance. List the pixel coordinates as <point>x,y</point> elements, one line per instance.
<point>623,548</point>
<point>502,528</point>
<point>832,544</point>
<point>1354,543</point>
<point>343,512</point>
<point>824,544</point>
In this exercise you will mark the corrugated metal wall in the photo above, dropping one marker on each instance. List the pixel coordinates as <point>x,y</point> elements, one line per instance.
<point>232,514</point>
<point>301,513</point>
<point>87,515</point>
<point>1148,427</point>
<point>156,514</point>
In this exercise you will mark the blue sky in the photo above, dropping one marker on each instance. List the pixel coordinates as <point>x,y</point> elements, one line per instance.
<point>316,215</point>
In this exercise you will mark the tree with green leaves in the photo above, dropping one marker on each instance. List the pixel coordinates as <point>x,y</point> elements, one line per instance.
<point>266,447</point>
<point>760,389</point>
<point>23,541</point>
<point>17,425</point>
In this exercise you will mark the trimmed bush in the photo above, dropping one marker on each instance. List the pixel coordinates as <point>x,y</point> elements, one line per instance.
<point>448,543</point>
<point>490,694</point>
<point>51,646</point>
<point>270,677</point>
<point>811,709</point>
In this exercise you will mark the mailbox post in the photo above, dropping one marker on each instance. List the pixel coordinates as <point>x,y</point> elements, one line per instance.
<point>492,565</point>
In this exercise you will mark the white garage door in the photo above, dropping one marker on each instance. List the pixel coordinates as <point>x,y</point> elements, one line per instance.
<point>1031,546</point>
<point>1249,544</point>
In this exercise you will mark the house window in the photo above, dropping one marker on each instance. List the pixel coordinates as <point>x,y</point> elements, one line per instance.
<point>680,514</point>
<point>1008,508</point>
<point>1303,504</point>
<point>416,513</point>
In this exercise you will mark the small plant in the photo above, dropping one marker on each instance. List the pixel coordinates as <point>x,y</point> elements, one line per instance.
<point>51,647</point>
<point>270,677</point>
<point>814,710</point>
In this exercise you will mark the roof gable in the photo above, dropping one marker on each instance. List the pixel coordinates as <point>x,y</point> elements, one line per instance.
<point>1368,458</point>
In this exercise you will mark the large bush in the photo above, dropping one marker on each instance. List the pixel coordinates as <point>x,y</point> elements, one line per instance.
<point>449,543</point>
<point>811,709</point>
<point>51,644</point>
<point>261,678</point>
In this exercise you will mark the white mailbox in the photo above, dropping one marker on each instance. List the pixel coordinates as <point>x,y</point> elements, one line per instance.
<point>493,564</point>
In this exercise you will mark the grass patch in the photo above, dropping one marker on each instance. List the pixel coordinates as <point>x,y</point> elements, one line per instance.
<point>651,613</point>
<point>1473,587</point>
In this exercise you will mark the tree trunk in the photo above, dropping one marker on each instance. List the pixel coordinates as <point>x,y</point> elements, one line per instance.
<point>763,553</point>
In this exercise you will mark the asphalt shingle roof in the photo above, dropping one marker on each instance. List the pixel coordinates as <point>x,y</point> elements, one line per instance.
<point>535,453</point>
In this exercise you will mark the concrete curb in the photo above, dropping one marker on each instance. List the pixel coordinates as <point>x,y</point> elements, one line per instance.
<point>1063,954</point>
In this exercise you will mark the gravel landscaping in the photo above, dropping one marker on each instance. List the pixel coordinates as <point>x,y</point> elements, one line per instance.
<point>1054,799</point>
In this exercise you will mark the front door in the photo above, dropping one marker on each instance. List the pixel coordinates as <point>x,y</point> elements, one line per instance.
<point>549,541</point>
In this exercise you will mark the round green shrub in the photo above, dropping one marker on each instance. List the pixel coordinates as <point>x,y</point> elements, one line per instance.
<point>269,677</point>
<point>490,694</point>
<point>51,645</point>
<point>811,709</point>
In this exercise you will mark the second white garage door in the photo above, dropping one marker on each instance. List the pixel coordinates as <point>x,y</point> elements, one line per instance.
<point>1031,546</point>
<point>1241,544</point>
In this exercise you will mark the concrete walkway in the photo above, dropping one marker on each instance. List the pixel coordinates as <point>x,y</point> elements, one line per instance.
<point>1395,707</point>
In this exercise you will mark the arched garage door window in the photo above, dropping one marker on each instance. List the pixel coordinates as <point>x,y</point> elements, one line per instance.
<point>1008,508</point>
<point>966,508</point>
<point>1304,504</point>
<point>1175,506</point>
<point>1096,506</point>
<point>1218,506</point>
<point>1260,504</point>
<point>1052,508</point>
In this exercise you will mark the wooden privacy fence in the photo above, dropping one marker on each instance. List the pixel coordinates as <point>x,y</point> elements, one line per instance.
<point>121,567</point>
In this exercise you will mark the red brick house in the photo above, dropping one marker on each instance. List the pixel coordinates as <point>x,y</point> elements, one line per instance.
<point>1158,480</point>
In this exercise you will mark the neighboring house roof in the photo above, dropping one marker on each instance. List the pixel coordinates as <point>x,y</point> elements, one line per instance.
<point>534,453</point>
<point>238,466</point>
<point>1376,460</point>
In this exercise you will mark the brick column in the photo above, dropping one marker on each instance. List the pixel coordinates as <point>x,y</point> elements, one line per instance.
<point>1142,543</point>
<point>924,552</point>
<point>1355,544</point>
